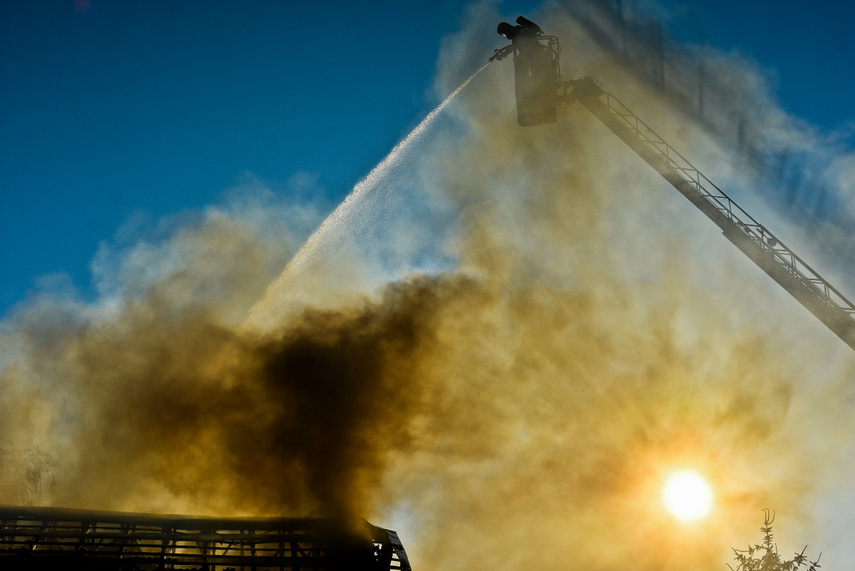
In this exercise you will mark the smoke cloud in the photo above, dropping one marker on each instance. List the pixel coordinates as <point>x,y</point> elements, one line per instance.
<point>511,396</point>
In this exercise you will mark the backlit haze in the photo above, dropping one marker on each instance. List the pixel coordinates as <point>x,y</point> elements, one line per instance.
<point>501,345</point>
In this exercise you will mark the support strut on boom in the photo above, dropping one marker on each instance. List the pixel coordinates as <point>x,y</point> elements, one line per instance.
<point>539,89</point>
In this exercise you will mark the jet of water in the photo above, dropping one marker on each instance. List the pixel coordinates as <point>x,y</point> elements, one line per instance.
<point>347,211</point>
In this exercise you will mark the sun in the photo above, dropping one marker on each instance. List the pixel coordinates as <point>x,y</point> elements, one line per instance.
<point>687,496</point>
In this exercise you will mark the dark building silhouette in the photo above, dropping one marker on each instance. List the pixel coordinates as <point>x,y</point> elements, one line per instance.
<point>36,539</point>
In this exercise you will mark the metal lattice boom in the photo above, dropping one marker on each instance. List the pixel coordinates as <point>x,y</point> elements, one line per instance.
<point>754,239</point>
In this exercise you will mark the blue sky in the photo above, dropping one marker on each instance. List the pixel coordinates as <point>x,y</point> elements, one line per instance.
<point>109,109</point>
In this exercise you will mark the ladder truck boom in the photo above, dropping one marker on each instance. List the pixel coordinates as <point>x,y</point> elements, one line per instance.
<point>536,67</point>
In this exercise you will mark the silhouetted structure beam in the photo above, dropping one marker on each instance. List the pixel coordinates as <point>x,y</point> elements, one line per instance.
<point>35,539</point>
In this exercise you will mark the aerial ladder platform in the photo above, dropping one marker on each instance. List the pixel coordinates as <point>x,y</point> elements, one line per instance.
<point>540,89</point>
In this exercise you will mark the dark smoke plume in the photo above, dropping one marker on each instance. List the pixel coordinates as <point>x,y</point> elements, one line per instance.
<point>161,404</point>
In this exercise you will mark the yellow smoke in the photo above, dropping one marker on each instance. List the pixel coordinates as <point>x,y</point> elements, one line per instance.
<point>588,333</point>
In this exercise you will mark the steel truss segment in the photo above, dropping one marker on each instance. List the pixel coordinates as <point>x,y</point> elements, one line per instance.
<point>725,204</point>
<point>754,239</point>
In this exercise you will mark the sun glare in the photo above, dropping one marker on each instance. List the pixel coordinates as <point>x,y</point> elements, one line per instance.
<point>687,496</point>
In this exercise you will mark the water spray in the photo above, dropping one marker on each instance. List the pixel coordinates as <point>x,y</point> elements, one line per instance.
<point>364,187</point>
<point>354,202</point>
